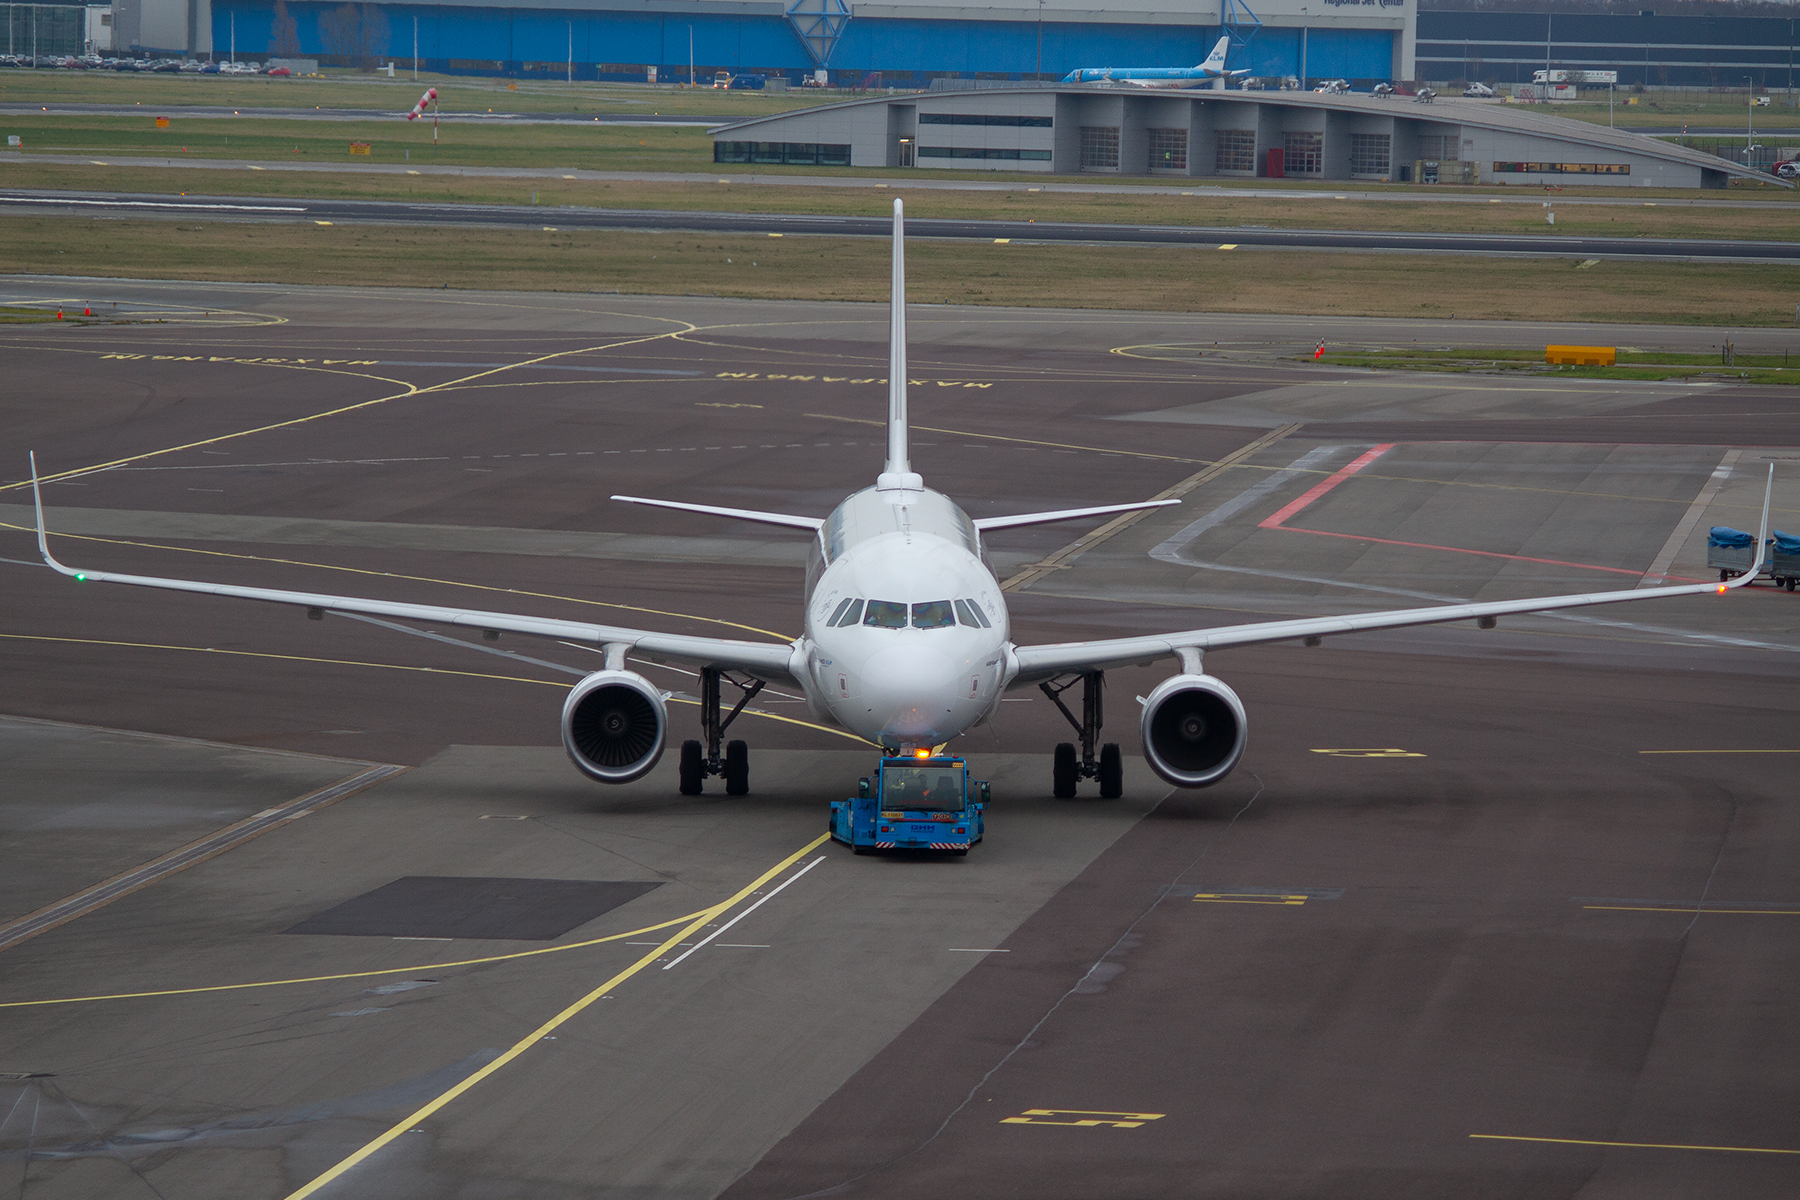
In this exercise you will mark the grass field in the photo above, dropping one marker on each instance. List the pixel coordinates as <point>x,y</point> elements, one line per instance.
<point>1151,278</point>
<point>355,89</point>
<point>1630,364</point>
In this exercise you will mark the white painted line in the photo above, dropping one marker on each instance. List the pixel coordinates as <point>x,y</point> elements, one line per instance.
<point>1666,556</point>
<point>967,950</point>
<point>727,925</point>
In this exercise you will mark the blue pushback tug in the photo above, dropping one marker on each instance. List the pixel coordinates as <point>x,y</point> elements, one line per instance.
<point>913,804</point>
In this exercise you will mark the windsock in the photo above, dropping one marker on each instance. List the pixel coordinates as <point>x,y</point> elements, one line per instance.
<point>419,108</point>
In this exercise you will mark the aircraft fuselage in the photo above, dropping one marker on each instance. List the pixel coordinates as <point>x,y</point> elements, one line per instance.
<point>906,629</point>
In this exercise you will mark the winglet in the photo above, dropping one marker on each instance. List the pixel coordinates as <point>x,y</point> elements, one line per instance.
<point>898,474</point>
<point>37,498</point>
<point>1762,536</point>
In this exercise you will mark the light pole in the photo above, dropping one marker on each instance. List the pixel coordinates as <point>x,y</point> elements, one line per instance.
<point>1039,73</point>
<point>415,48</point>
<point>571,52</point>
<point>1303,47</point>
<point>690,58</point>
<point>1749,117</point>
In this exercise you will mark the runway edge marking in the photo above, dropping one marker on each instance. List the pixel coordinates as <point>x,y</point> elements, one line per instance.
<point>194,853</point>
<point>519,1047</point>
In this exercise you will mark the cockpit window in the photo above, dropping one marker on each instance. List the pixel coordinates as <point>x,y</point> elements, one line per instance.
<point>970,614</point>
<point>933,614</point>
<point>848,613</point>
<point>837,618</point>
<point>885,614</point>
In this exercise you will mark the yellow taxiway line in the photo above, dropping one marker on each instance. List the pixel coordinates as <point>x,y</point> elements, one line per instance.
<point>519,1047</point>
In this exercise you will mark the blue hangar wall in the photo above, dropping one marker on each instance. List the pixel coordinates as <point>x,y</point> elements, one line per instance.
<point>619,46</point>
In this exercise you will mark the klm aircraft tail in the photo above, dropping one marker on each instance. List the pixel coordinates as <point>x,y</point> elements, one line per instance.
<point>1216,60</point>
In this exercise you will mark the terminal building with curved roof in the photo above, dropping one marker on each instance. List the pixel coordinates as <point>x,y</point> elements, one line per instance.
<point>1110,130</point>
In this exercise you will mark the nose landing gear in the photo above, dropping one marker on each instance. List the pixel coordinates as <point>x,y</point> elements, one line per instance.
<point>697,761</point>
<point>1066,768</point>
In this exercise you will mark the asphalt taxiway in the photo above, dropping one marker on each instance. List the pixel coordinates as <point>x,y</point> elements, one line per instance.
<point>1483,913</point>
<point>400,212</point>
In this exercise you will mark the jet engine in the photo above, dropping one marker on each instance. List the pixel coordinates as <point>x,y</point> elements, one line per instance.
<point>614,726</point>
<point>1194,730</point>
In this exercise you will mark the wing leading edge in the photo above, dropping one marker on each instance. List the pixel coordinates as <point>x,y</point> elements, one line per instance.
<point>1037,663</point>
<point>765,660</point>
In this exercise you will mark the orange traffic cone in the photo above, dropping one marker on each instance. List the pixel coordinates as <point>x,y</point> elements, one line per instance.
<point>59,314</point>
<point>87,312</point>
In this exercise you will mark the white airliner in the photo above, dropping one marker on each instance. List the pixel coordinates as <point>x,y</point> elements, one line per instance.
<point>1162,77</point>
<point>906,640</point>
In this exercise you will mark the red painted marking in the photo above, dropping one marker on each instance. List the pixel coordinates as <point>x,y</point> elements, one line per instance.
<point>1275,521</point>
<point>1554,562</point>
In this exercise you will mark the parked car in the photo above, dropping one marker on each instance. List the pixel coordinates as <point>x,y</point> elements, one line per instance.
<point>1787,170</point>
<point>277,71</point>
<point>1479,90</point>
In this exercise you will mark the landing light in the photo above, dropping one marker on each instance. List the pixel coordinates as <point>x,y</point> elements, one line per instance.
<point>922,753</point>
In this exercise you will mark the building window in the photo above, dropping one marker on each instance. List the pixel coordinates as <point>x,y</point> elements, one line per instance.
<point>1441,149</point>
<point>1168,149</point>
<point>1369,153</point>
<point>1303,154</point>
<point>1236,150</point>
<point>1099,147</point>
<point>985,119</point>
<point>984,152</point>
<point>1550,168</point>
<point>807,154</point>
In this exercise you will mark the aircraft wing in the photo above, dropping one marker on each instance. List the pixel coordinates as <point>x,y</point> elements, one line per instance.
<point>1038,663</point>
<point>764,660</point>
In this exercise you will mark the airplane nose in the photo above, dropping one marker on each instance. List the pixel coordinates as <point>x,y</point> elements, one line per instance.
<point>912,693</point>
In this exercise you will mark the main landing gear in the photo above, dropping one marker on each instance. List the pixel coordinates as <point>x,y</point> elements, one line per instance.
<point>697,761</point>
<point>1067,769</point>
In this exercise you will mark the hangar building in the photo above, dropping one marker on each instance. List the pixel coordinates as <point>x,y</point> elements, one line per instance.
<point>1230,134</point>
<point>909,42</point>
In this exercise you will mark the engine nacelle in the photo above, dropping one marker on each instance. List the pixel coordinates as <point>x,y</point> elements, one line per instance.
<point>1194,730</point>
<point>614,726</point>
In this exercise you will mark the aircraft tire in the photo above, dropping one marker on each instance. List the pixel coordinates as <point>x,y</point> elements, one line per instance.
<point>1063,772</point>
<point>693,769</point>
<point>1112,772</point>
<point>737,769</point>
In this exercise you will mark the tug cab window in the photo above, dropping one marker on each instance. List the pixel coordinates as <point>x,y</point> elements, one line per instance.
<point>885,614</point>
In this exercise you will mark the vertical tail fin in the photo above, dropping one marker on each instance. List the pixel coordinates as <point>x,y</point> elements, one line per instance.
<point>898,474</point>
<point>1216,60</point>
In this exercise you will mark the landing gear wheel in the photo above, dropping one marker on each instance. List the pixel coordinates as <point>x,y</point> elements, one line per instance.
<point>1112,772</point>
<point>737,769</point>
<point>1063,771</point>
<point>693,769</point>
